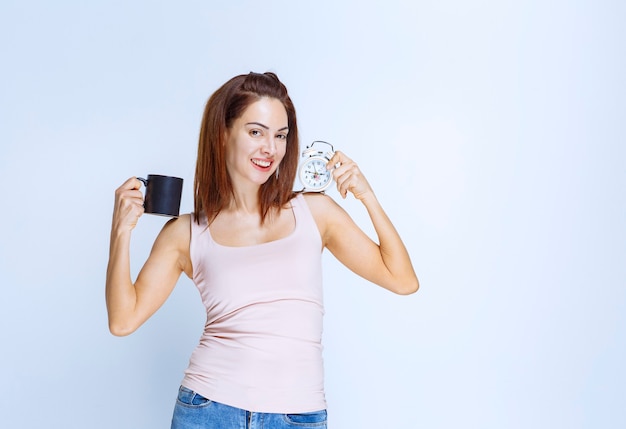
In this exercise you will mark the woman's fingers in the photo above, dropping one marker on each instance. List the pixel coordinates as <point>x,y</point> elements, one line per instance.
<point>128,204</point>
<point>348,176</point>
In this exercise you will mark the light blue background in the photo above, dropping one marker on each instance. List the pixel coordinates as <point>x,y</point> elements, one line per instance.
<point>492,131</point>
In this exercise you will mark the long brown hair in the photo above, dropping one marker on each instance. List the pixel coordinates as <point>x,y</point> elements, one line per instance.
<point>212,185</point>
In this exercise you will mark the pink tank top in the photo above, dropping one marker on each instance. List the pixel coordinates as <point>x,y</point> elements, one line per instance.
<point>261,346</point>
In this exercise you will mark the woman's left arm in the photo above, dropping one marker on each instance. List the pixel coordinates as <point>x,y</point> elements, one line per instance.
<point>386,263</point>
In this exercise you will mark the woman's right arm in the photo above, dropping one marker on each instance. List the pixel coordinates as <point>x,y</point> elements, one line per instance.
<point>130,305</point>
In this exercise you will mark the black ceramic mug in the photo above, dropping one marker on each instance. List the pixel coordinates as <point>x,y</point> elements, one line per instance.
<point>162,194</point>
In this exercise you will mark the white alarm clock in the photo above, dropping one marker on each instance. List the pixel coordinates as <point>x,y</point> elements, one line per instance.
<point>312,170</point>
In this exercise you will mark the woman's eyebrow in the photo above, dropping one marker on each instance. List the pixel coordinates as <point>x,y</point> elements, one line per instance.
<point>265,126</point>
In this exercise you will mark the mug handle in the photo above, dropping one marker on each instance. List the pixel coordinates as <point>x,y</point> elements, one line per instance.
<point>145,181</point>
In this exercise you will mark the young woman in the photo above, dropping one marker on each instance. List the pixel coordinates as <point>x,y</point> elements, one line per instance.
<point>253,248</point>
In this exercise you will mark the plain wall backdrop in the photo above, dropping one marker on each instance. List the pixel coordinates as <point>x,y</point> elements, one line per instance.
<point>492,132</point>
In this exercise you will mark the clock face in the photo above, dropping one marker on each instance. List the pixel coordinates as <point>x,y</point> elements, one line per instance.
<point>313,174</point>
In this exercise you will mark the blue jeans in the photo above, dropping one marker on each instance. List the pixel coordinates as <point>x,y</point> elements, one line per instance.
<point>193,411</point>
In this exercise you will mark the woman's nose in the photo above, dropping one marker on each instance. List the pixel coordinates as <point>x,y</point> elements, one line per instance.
<point>270,146</point>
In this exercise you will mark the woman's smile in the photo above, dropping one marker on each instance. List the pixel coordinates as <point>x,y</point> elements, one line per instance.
<point>261,163</point>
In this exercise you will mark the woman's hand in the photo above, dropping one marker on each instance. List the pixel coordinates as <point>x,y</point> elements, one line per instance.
<point>348,177</point>
<point>128,205</point>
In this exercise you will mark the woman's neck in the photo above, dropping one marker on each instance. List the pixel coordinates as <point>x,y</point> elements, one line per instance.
<point>245,201</point>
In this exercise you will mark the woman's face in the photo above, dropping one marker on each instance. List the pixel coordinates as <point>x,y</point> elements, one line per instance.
<point>256,142</point>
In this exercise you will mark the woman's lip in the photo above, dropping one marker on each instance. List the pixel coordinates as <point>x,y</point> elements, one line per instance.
<point>255,162</point>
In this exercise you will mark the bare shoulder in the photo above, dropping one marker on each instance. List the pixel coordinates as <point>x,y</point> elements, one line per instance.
<point>321,205</point>
<point>178,228</point>
<point>329,216</point>
<point>176,237</point>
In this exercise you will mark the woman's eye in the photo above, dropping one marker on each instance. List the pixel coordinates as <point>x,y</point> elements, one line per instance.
<point>255,133</point>
<point>282,136</point>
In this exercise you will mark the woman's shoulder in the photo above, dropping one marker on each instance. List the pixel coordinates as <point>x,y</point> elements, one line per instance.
<point>328,215</point>
<point>175,238</point>
<point>178,228</point>
<point>321,205</point>
<point>182,221</point>
<point>316,199</point>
